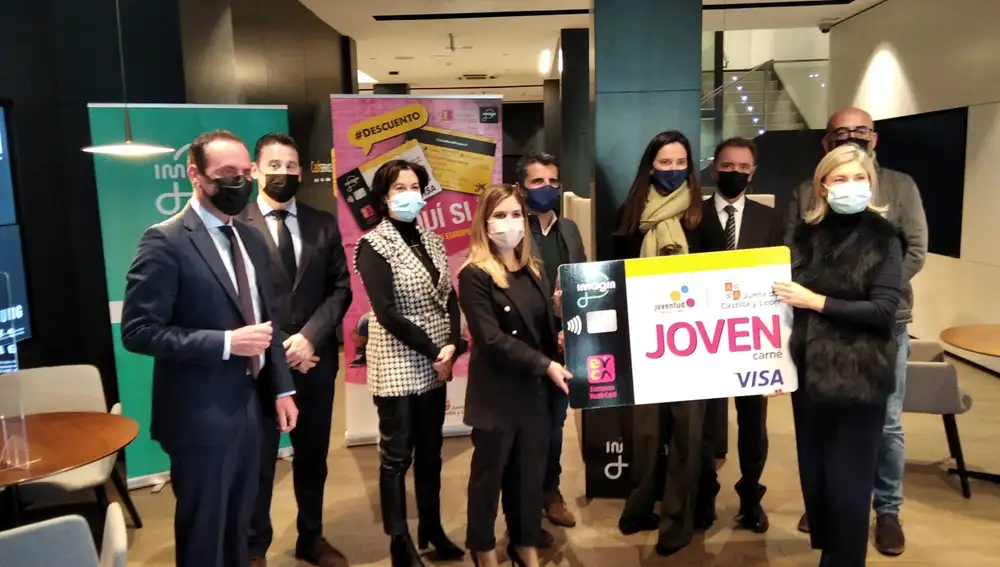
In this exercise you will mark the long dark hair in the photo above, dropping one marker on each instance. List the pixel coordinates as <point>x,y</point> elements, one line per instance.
<point>631,211</point>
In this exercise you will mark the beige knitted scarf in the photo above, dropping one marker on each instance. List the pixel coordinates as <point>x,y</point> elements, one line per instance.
<point>661,222</point>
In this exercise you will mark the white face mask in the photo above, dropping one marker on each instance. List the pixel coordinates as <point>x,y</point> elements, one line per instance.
<point>506,234</point>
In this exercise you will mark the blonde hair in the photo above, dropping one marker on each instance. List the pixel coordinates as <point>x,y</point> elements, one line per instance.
<point>843,155</point>
<point>483,254</point>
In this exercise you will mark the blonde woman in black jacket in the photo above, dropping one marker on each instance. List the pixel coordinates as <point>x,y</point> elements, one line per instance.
<point>505,299</point>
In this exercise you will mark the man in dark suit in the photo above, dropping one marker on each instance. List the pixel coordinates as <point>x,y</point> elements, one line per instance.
<point>557,241</point>
<point>731,221</point>
<point>199,301</point>
<point>312,293</point>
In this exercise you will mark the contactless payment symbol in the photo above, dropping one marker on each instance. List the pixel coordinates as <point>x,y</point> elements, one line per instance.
<point>681,296</point>
<point>601,369</point>
<point>575,325</point>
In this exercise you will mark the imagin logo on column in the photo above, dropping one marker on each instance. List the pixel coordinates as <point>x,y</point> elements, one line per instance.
<point>614,469</point>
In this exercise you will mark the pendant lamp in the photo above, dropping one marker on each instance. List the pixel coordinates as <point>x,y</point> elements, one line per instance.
<point>128,147</point>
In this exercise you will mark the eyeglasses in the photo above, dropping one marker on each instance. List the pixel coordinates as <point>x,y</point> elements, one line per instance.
<point>863,132</point>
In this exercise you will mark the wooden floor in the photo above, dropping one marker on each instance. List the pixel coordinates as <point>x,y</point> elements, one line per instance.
<point>943,529</point>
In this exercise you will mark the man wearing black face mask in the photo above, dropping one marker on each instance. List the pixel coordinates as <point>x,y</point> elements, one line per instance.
<point>731,221</point>
<point>312,292</point>
<point>198,299</point>
<point>557,241</point>
<point>898,192</point>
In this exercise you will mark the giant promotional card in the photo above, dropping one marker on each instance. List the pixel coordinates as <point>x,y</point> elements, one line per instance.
<point>677,328</point>
<point>458,140</point>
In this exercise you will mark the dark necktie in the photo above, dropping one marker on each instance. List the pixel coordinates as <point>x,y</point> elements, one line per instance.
<point>285,248</point>
<point>730,227</point>
<point>242,287</point>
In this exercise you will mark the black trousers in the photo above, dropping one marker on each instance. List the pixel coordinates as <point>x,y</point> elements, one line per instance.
<point>215,488</point>
<point>511,462</point>
<point>751,419</point>
<point>311,442</point>
<point>838,449</point>
<point>410,432</point>
<point>685,421</point>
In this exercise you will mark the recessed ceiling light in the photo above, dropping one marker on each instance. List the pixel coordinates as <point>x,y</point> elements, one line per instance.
<point>365,78</point>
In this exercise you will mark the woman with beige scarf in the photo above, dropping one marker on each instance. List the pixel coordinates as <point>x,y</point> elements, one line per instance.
<point>665,199</point>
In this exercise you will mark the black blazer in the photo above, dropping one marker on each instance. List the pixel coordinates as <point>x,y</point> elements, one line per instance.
<point>509,360</point>
<point>179,301</point>
<point>570,235</point>
<point>760,228</point>
<point>315,303</point>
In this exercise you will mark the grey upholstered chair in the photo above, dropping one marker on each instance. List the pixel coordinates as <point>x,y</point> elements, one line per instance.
<point>932,388</point>
<point>66,541</point>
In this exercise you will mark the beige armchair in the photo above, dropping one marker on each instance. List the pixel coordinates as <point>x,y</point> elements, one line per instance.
<point>59,389</point>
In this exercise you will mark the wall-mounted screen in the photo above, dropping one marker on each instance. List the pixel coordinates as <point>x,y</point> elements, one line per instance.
<point>7,212</point>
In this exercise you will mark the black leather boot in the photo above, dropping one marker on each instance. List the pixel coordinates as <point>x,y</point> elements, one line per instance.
<point>392,492</point>
<point>403,553</point>
<point>752,516</point>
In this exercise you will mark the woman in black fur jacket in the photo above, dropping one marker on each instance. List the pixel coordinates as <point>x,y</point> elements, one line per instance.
<point>847,272</point>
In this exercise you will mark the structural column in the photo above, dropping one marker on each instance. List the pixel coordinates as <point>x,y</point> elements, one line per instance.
<point>577,123</point>
<point>648,79</point>
<point>553,116</point>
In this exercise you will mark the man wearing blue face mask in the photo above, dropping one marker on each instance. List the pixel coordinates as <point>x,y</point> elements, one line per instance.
<point>557,241</point>
<point>899,193</point>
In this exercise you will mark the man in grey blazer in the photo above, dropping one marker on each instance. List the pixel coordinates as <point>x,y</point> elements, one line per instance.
<point>899,192</point>
<point>557,241</point>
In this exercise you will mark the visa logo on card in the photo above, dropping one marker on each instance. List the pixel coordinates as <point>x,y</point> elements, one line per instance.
<point>601,368</point>
<point>599,322</point>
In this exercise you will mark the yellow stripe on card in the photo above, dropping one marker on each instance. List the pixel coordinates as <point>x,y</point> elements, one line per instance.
<point>642,267</point>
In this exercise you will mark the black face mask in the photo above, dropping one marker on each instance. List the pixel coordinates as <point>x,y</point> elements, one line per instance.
<point>281,186</point>
<point>863,144</point>
<point>231,194</point>
<point>732,183</point>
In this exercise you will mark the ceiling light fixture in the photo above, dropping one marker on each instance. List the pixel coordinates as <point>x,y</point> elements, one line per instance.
<point>128,148</point>
<point>365,78</point>
<point>545,61</point>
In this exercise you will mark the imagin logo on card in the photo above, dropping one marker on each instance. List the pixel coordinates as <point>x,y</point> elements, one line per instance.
<point>601,369</point>
<point>604,321</point>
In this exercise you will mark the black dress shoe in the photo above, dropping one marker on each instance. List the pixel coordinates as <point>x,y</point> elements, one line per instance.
<point>629,526</point>
<point>804,524</point>
<point>444,548</point>
<point>754,519</point>
<point>664,550</point>
<point>704,516</point>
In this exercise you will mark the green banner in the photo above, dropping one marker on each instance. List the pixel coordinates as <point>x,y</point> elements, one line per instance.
<point>135,193</point>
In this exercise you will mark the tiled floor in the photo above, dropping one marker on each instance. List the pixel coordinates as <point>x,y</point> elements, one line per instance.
<point>943,528</point>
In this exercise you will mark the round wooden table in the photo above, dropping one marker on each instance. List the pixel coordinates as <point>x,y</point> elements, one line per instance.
<point>980,339</point>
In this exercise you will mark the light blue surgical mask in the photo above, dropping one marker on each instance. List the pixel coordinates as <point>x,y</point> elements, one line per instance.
<point>407,205</point>
<point>849,198</point>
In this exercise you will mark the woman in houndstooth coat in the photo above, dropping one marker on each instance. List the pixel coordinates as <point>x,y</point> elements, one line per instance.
<point>412,340</point>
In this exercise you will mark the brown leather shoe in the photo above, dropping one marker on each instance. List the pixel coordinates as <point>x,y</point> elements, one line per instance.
<point>557,511</point>
<point>889,539</point>
<point>319,552</point>
<point>804,524</point>
<point>258,562</point>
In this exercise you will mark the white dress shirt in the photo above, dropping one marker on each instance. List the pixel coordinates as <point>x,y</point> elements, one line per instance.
<point>222,245</point>
<point>547,229</point>
<point>291,221</point>
<point>720,207</point>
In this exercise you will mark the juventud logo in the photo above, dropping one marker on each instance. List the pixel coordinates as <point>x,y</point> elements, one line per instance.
<point>173,171</point>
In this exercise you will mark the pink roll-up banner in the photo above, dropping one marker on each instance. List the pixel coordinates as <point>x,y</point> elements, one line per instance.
<point>458,139</point>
